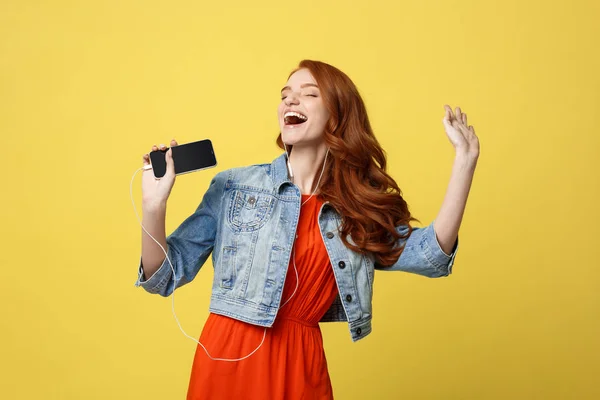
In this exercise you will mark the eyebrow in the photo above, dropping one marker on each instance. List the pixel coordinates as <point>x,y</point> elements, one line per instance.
<point>302,86</point>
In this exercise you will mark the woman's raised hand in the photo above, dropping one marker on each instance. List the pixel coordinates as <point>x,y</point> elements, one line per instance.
<point>461,135</point>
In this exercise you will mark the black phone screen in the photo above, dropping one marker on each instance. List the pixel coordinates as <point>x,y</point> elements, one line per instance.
<point>188,157</point>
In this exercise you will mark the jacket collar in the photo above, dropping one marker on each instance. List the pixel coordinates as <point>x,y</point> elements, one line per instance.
<point>279,171</point>
<point>279,174</point>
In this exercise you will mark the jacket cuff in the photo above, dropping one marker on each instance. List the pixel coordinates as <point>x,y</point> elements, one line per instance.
<point>158,280</point>
<point>434,253</point>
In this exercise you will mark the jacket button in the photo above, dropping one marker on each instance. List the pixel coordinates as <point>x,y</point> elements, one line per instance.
<point>358,331</point>
<point>342,264</point>
<point>349,298</point>
<point>329,235</point>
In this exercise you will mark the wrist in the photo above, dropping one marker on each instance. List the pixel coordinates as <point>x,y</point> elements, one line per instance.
<point>154,207</point>
<point>465,161</point>
<point>466,158</point>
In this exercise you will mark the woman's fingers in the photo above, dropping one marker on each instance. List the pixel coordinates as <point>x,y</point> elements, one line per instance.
<point>456,124</point>
<point>456,115</point>
<point>464,130</point>
<point>146,157</point>
<point>448,111</point>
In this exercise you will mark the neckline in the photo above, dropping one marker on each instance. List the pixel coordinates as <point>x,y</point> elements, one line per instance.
<point>306,199</point>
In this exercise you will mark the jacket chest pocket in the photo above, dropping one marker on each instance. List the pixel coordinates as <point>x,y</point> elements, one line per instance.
<point>249,211</point>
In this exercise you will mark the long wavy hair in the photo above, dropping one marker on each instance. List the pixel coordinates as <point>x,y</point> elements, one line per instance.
<point>355,181</point>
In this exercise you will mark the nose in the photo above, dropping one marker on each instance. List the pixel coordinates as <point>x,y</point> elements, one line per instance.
<point>291,98</point>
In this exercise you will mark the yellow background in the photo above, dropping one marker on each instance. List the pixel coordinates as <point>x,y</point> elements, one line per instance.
<point>87,87</point>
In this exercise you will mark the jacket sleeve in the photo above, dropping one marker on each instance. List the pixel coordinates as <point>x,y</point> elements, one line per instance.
<point>422,254</point>
<point>189,246</point>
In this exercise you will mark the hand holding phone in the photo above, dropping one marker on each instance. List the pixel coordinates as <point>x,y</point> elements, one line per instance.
<point>187,157</point>
<point>183,159</point>
<point>155,192</point>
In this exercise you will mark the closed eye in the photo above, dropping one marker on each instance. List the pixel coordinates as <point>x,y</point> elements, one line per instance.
<point>311,95</point>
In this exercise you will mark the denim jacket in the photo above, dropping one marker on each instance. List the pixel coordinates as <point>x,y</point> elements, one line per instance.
<point>248,219</point>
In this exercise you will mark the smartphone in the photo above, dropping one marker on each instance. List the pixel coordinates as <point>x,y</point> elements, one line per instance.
<point>188,157</point>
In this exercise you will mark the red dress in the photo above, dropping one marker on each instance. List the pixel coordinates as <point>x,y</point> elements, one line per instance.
<point>291,362</point>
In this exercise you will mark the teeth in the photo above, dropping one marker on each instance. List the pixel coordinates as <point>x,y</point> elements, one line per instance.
<point>295,114</point>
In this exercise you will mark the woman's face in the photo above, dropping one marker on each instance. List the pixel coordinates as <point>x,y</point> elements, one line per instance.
<point>302,113</point>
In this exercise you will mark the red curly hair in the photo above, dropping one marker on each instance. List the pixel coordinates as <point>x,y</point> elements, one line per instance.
<point>355,182</point>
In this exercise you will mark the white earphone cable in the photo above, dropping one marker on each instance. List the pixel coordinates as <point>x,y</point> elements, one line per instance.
<point>173,293</point>
<point>173,270</point>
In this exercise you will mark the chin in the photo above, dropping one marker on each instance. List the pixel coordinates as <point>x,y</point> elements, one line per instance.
<point>292,135</point>
<point>289,141</point>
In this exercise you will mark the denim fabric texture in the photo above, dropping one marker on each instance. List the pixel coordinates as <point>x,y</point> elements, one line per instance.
<point>247,220</point>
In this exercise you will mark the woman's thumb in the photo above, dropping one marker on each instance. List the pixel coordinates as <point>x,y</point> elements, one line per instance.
<point>170,162</point>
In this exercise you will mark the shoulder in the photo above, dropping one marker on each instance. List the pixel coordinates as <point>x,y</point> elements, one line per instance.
<point>251,175</point>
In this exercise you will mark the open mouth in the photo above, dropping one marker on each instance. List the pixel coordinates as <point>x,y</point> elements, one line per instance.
<point>294,118</point>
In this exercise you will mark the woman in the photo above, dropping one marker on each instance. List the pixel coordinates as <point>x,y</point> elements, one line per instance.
<point>327,209</point>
